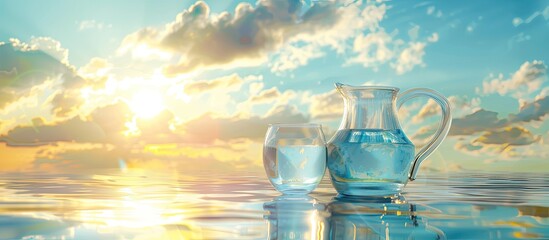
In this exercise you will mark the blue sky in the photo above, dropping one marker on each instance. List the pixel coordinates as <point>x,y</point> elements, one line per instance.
<point>490,56</point>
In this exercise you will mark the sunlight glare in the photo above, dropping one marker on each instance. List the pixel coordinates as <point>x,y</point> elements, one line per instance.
<point>147,103</point>
<point>131,129</point>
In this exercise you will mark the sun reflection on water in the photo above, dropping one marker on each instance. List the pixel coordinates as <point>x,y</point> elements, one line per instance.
<point>146,204</point>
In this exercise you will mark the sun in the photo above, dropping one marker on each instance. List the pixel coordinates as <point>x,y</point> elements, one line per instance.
<point>147,103</point>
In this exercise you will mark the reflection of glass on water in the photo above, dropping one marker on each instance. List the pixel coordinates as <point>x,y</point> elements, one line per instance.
<point>371,161</point>
<point>295,167</point>
<point>296,218</point>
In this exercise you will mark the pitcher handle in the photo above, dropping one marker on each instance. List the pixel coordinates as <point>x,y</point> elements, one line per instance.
<point>443,128</point>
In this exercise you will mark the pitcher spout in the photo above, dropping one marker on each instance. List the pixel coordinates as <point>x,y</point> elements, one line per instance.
<point>344,88</point>
<point>339,86</point>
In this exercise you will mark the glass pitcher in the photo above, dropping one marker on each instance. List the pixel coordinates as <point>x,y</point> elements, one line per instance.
<point>369,154</point>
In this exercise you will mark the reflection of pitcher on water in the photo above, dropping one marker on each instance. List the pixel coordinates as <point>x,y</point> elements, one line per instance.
<point>369,154</point>
<point>381,218</point>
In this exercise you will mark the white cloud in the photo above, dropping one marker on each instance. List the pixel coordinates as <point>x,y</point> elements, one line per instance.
<point>543,93</point>
<point>372,49</point>
<point>372,16</point>
<point>410,57</point>
<point>296,34</point>
<point>293,57</point>
<point>518,38</point>
<point>253,78</point>
<point>526,80</point>
<point>92,24</point>
<point>352,21</point>
<point>255,87</point>
<point>304,47</point>
<point>517,21</point>
<point>431,10</point>
<point>376,47</point>
<point>433,38</point>
<point>379,47</point>
<point>413,33</point>
<point>471,27</point>
<point>51,47</point>
<point>439,14</point>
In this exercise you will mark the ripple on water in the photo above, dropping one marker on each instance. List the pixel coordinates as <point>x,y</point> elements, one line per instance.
<point>244,206</point>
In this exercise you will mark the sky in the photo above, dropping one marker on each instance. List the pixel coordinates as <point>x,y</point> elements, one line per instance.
<point>193,85</point>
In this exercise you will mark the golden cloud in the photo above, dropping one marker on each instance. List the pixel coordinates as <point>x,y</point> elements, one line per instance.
<point>105,124</point>
<point>24,67</point>
<point>327,105</point>
<point>224,83</point>
<point>16,159</point>
<point>459,104</point>
<point>272,94</point>
<point>478,121</point>
<point>533,111</point>
<point>208,127</point>
<point>511,136</point>
<point>242,39</point>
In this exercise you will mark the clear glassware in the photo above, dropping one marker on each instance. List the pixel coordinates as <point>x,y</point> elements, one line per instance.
<point>294,157</point>
<point>370,154</point>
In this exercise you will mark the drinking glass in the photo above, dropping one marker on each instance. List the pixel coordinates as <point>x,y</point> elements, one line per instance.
<point>294,157</point>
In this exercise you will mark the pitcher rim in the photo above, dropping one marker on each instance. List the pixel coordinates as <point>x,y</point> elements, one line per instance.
<point>371,87</point>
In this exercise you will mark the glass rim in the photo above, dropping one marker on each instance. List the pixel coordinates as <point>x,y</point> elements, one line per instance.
<point>295,125</point>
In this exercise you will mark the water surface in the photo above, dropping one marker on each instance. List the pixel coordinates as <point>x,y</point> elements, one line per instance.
<point>243,205</point>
